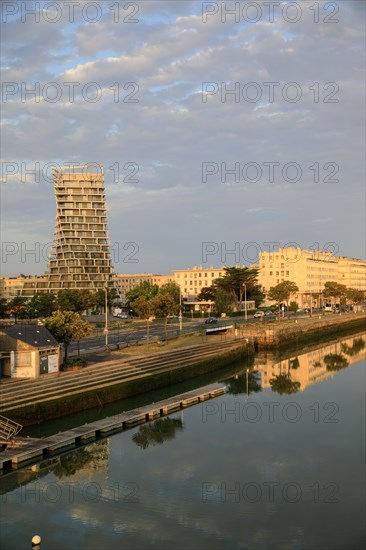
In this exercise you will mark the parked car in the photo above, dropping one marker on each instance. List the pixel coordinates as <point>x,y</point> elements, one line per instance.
<point>210,320</point>
<point>269,312</point>
<point>259,314</point>
<point>122,316</point>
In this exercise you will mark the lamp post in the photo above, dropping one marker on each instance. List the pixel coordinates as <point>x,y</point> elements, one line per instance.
<point>180,309</point>
<point>245,302</point>
<point>106,314</point>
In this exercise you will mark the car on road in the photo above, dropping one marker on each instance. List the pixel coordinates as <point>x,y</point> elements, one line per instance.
<point>259,314</point>
<point>210,320</point>
<point>269,312</point>
<point>121,316</point>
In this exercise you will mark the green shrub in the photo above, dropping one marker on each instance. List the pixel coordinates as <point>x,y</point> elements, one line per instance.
<point>76,362</point>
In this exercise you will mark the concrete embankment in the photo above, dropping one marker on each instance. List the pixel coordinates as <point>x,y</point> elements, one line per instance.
<point>284,333</point>
<point>34,401</point>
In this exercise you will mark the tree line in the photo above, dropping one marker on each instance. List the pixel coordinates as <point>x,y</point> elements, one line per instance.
<point>43,304</point>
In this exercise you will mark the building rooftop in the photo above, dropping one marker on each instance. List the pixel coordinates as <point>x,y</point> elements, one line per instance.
<point>37,336</point>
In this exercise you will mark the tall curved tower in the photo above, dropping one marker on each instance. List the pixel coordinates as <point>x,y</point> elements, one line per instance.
<point>80,257</point>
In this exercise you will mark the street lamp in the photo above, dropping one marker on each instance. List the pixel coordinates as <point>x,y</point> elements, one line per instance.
<point>180,309</point>
<point>245,301</point>
<point>106,314</point>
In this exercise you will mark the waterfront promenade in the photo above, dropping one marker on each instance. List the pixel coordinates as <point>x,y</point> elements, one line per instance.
<point>34,400</point>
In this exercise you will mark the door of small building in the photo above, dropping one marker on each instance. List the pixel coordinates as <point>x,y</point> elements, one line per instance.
<point>43,364</point>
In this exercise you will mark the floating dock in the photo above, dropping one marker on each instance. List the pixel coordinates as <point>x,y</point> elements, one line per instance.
<point>28,451</point>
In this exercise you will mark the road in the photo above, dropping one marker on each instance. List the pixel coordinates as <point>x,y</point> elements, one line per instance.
<point>131,335</point>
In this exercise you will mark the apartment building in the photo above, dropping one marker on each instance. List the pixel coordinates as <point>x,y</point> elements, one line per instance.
<point>310,270</point>
<point>352,273</point>
<point>191,281</point>
<point>11,287</point>
<point>80,257</point>
<point>126,281</point>
<point>24,285</point>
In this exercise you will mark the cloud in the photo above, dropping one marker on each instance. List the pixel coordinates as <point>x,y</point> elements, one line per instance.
<point>170,132</point>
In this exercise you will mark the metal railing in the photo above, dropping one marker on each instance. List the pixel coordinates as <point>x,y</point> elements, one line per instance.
<point>8,428</point>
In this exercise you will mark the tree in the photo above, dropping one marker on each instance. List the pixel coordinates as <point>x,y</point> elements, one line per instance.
<point>171,289</point>
<point>163,305</point>
<point>67,326</point>
<point>244,383</point>
<point>17,307</point>
<point>4,308</point>
<point>335,290</point>
<point>282,292</point>
<point>208,293</point>
<point>80,329</point>
<point>75,300</point>
<point>99,297</point>
<point>335,361</point>
<point>282,383</point>
<point>354,296</point>
<point>145,289</point>
<point>223,301</point>
<point>157,432</point>
<point>358,345</point>
<point>294,306</point>
<point>42,304</point>
<point>234,282</point>
<point>144,308</point>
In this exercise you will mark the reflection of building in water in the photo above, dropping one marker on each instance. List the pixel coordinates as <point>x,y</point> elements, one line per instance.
<point>310,368</point>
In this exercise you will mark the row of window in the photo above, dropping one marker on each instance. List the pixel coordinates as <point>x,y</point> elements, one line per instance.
<point>277,273</point>
<point>199,275</point>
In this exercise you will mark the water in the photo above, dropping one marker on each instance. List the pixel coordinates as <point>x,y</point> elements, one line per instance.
<point>253,469</point>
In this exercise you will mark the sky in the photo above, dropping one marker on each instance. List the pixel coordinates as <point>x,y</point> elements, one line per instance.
<point>221,134</point>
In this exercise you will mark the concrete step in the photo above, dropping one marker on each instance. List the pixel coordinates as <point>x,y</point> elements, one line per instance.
<point>61,388</point>
<point>89,375</point>
<point>94,386</point>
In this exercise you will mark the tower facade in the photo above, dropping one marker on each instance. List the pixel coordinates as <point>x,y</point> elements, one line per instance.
<point>80,257</point>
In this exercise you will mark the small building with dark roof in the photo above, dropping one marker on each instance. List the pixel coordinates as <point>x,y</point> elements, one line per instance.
<point>27,351</point>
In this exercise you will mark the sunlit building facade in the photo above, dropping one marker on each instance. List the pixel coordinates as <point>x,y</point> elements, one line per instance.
<point>80,257</point>
<point>310,270</point>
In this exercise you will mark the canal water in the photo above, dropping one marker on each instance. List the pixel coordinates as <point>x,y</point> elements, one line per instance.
<point>278,462</point>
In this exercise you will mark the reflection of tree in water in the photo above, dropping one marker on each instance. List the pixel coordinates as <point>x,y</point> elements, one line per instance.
<point>294,363</point>
<point>239,384</point>
<point>335,361</point>
<point>357,346</point>
<point>92,456</point>
<point>282,383</point>
<point>157,432</point>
